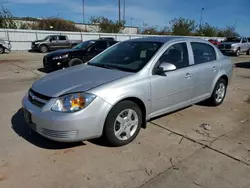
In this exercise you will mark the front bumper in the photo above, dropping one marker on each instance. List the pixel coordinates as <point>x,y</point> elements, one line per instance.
<point>67,127</point>
<point>231,50</point>
<point>49,63</point>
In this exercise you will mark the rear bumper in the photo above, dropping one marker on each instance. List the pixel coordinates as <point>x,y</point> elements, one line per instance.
<point>7,46</point>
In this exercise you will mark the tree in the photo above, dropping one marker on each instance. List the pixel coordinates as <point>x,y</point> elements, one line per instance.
<point>155,31</point>
<point>182,26</point>
<point>107,26</point>
<point>7,19</point>
<point>229,31</point>
<point>207,30</point>
<point>150,31</point>
<point>54,23</point>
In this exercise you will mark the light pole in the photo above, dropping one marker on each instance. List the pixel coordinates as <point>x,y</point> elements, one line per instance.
<point>119,9</point>
<point>124,7</point>
<point>235,22</point>
<point>83,12</point>
<point>131,19</point>
<point>201,16</point>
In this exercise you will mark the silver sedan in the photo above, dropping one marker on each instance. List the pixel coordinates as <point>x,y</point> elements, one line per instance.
<point>118,91</point>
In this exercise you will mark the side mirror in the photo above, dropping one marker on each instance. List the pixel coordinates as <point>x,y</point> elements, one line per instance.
<point>165,67</point>
<point>50,39</point>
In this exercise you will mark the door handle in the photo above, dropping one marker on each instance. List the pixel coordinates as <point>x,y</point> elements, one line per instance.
<point>214,68</point>
<point>188,76</point>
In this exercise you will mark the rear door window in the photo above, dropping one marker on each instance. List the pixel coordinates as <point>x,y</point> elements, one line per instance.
<point>203,52</point>
<point>62,38</point>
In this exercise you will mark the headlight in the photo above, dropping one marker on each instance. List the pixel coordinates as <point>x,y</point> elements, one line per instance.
<point>73,102</point>
<point>233,46</point>
<point>36,42</point>
<point>61,56</point>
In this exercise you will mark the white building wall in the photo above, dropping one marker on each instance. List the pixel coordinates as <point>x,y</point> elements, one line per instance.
<point>21,39</point>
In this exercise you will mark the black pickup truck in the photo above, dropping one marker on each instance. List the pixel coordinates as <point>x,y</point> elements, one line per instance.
<point>79,54</point>
<point>53,42</point>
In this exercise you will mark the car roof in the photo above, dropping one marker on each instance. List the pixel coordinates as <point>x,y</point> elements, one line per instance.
<point>166,39</point>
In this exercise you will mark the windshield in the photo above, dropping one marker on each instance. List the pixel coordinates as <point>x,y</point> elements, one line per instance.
<point>233,39</point>
<point>46,38</point>
<point>84,45</point>
<point>129,56</point>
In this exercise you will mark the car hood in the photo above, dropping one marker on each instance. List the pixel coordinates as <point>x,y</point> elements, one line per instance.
<point>39,41</point>
<point>76,79</point>
<point>60,52</point>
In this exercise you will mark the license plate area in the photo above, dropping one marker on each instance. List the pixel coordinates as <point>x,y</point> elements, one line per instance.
<point>27,116</point>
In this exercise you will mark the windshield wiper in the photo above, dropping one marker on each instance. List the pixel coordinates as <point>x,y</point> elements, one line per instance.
<point>108,66</point>
<point>103,66</point>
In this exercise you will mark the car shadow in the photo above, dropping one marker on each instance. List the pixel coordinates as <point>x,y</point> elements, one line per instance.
<point>33,51</point>
<point>23,130</point>
<point>44,70</point>
<point>244,65</point>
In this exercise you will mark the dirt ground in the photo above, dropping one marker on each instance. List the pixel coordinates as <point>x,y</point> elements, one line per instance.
<point>175,151</point>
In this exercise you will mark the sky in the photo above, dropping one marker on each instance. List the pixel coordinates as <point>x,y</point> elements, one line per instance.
<point>220,13</point>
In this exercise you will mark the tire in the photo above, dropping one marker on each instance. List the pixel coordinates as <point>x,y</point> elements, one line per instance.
<point>43,48</point>
<point>120,134</point>
<point>237,54</point>
<point>213,100</point>
<point>248,52</point>
<point>74,62</point>
<point>2,50</point>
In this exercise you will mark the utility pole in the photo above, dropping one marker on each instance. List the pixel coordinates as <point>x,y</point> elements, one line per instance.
<point>83,19</point>
<point>201,16</point>
<point>124,7</point>
<point>119,9</point>
<point>235,25</point>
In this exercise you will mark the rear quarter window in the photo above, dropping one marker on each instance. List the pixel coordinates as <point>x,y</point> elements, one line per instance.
<point>203,52</point>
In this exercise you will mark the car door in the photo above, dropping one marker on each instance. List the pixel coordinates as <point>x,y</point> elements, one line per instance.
<point>205,69</point>
<point>53,42</point>
<point>244,46</point>
<point>174,89</point>
<point>95,49</point>
<point>63,42</point>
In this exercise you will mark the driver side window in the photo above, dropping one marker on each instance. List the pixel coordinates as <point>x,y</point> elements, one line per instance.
<point>177,55</point>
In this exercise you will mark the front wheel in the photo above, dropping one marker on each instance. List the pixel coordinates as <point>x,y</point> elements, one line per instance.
<point>237,53</point>
<point>219,93</point>
<point>123,123</point>
<point>75,61</point>
<point>44,49</point>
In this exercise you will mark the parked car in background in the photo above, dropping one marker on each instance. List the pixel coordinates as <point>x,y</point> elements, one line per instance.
<point>115,93</point>
<point>235,45</point>
<point>79,54</point>
<point>214,42</point>
<point>4,45</point>
<point>53,42</point>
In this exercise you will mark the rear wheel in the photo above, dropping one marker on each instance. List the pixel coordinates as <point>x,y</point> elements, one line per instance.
<point>43,49</point>
<point>75,61</point>
<point>123,123</point>
<point>1,50</point>
<point>219,93</point>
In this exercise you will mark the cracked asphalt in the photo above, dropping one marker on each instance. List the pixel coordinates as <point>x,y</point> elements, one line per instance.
<point>198,146</point>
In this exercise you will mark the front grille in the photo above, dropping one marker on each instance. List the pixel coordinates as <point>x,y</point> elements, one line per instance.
<point>38,99</point>
<point>59,134</point>
<point>225,46</point>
